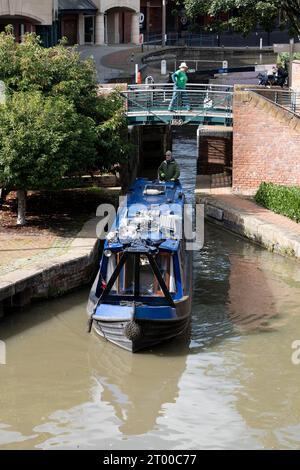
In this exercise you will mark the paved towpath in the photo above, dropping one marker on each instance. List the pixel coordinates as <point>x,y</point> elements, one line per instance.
<point>242,215</point>
<point>112,61</point>
<point>19,250</point>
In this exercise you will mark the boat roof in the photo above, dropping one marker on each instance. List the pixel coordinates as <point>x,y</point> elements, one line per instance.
<point>171,192</point>
<point>151,212</point>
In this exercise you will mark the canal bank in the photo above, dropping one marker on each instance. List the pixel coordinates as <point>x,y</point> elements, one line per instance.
<point>57,251</point>
<point>244,217</point>
<point>66,265</point>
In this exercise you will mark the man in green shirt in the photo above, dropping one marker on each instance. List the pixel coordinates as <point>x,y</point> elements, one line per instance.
<point>180,96</point>
<point>169,169</point>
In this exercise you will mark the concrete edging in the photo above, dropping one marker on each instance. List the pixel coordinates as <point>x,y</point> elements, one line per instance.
<point>56,275</point>
<point>271,236</point>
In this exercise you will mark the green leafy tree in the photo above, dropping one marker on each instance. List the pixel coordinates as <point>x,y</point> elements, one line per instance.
<point>113,146</point>
<point>284,59</point>
<point>291,8</point>
<point>53,71</point>
<point>41,138</point>
<point>246,15</point>
<point>82,131</point>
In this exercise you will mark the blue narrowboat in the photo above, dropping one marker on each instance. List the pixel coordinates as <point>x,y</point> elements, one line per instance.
<point>142,293</point>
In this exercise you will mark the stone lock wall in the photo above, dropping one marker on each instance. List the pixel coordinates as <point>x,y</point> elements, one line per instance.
<point>266,143</point>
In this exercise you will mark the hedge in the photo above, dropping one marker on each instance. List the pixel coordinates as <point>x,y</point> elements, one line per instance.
<point>283,200</point>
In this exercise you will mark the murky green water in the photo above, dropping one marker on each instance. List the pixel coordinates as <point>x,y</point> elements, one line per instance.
<point>231,385</point>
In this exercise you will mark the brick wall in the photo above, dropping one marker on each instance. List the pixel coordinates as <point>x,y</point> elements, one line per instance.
<point>266,144</point>
<point>215,155</point>
<point>296,75</point>
<point>214,149</point>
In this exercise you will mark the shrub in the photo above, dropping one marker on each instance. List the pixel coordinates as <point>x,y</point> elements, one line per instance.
<point>283,200</point>
<point>284,58</point>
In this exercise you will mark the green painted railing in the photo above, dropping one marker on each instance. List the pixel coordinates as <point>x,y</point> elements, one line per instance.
<point>198,103</point>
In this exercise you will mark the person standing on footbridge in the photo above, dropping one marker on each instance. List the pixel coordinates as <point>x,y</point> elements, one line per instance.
<point>180,97</point>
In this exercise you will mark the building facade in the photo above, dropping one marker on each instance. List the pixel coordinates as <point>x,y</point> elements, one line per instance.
<point>100,21</point>
<point>151,18</point>
<point>30,16</point>
<point>81,21</point>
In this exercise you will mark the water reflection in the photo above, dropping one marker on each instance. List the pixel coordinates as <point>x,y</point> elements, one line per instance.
<point>53,366</point>
<point>139,385</point>
<point>46,367</point>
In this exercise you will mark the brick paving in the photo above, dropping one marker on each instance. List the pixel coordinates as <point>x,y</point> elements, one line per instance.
<point>57,233</point>
<point>249,207</point>
<point>34,266</point>
<point>241,214</point>
<point>20,251</point>
<point>111,61</point>
<point>123,59</point>
<point>243,204</point>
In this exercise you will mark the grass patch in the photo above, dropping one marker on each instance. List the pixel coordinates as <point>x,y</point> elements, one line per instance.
<point>284,200</point>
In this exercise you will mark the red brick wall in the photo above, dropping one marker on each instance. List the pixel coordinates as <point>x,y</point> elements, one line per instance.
<point>266,143</point>
<point>215,155</point>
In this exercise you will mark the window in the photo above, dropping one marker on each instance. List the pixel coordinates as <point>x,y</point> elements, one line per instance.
<point>148,282</point>
<point>89,29</point>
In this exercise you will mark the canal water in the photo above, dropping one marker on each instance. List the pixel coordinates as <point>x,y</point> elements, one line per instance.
<point>231,384</point>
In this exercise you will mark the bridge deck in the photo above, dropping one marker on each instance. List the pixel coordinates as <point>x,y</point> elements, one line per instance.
<point>198,104</point>
<point>179,118</point>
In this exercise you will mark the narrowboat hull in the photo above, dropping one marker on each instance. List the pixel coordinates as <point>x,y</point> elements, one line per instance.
<point>153,333</point>
<point>135,336</point>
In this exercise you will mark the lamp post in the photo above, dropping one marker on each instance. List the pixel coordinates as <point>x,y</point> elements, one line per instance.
<point>163,42</point>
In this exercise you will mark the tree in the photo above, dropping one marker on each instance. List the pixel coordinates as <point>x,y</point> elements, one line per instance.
<point>245,15</point>
<point>292,10</point>
<point>54,71</point>
<point>53,108</point>
<point>112,145</point>
<point>41,138</point>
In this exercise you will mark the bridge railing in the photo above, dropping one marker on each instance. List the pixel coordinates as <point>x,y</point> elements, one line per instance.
<point>287,99</point>
<point>190,86</point>
<point>197,98</point>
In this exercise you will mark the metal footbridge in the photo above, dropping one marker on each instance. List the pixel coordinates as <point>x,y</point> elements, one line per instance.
<point>201,104</point>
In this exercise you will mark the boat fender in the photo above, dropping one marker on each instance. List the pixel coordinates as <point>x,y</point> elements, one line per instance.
<point>133,331</point>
